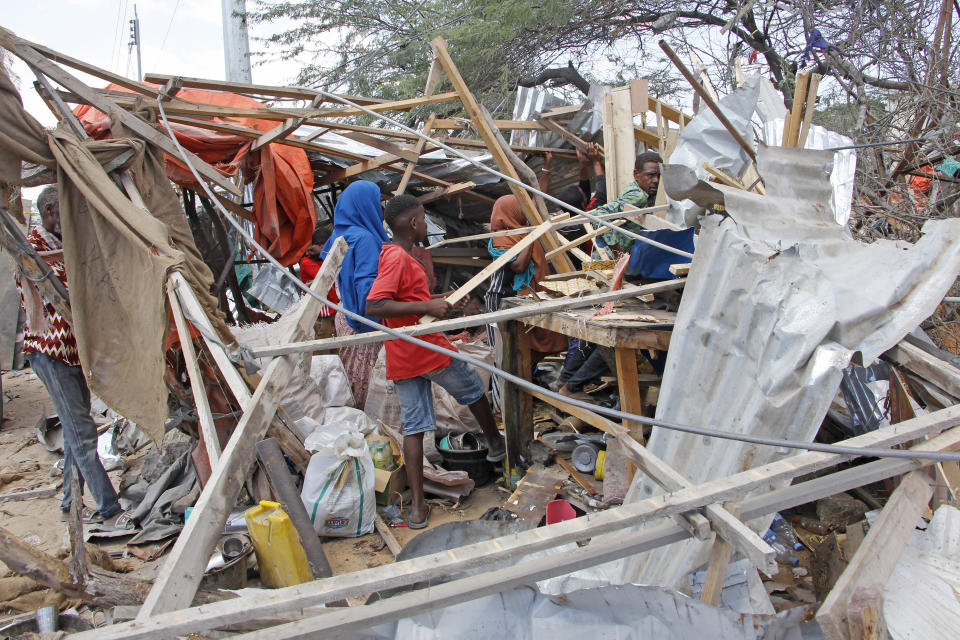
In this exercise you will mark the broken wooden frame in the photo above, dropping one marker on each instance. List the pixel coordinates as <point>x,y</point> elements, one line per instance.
<point>502,556</point>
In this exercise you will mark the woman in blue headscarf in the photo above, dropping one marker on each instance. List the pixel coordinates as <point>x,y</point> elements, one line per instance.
<point>358,218</point>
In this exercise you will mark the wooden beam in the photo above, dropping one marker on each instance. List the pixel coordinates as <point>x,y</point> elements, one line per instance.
<point>458,124</point>
<point>183,569</point>
<point>394,105</point>
<point>446,192</point>
<point>493,317</point>
<point>630,400</point>
<point>695,84</point>
<point>929,367</point>
<point>406,153</point>
<point>576,242</point>
<point>564,133</point>
<point>499,550</point>
<point>720,554</point>
<point>550,241</point>
<point>727,526</point>
<point>501,261</point>
<point>517,409</point>
<point>388,538</point>
<point>255,89</point>
<point>136,125</point>
<point>723,177</point>
<point>204,416</point>
<point>282,130</point>
<point>418,149</point>
<point>287,494</point>
<point>809,110</point>
<point>563,112</point>
<point>875,560</point>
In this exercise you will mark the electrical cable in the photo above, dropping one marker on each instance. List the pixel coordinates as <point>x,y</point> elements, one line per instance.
<point>520,382</point>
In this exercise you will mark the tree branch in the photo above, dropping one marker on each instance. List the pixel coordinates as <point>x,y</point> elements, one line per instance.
<point>558,76</point>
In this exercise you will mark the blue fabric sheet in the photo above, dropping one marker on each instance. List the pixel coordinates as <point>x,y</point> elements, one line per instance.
<point>651,262</point>
<point>520,280</point>
<point>358,218</point>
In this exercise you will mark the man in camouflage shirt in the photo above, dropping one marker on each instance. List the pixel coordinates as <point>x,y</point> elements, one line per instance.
<point>641,193</point>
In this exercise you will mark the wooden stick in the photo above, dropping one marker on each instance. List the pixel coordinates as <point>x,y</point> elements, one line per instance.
<point>418,149</point>
<point>388,538</point>
<point>791,129</point>
<point>811,107</point>
<point>877,556</point>
<point>493,317</point>
<point>708,100</point>
<point>719,561</point>
<point>281,130</point>
<point>590,235</point>
<point>256,89</point>
<point>732,529</point>
<point>500,155</point>
<point>494,266</point>
<point>25,52</point>
<point>502,549</point>
<point>286,491</point>
<point>723,177</point>
<point>210,438</point>
<point>181,573</point>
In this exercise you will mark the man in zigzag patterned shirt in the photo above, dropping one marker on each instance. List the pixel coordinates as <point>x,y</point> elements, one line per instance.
<point>51,348</point>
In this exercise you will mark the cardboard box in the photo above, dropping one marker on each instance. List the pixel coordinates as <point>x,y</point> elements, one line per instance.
<point>388,483</point>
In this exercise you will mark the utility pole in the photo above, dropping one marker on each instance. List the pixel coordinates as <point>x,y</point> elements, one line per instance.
<point>236,43</point>
<point>135,41</point>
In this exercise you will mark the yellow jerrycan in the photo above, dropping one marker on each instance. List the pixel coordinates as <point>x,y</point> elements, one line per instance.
<point>280,556</point>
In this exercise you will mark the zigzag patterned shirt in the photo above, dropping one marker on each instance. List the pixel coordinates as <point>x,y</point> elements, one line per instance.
<point>58,341</point>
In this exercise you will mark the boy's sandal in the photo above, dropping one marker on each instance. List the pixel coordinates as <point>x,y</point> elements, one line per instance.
<point>87,516</point>
<point>422,524</point>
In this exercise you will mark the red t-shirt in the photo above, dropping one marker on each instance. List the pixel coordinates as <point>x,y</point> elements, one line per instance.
<point>400,277</point>
<point>308,271</point>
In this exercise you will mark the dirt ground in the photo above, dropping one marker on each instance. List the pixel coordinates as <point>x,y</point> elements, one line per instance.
<point>26,464</point>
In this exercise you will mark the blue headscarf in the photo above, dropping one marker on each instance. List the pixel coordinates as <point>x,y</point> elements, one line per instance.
<point>358,218</point>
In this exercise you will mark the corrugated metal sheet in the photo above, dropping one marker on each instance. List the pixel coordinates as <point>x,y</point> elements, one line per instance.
<point>778,299</point>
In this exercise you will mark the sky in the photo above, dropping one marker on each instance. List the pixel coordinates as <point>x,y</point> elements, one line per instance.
<point>182,37</point>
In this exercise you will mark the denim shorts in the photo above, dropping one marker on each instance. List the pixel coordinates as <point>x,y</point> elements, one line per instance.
<point>416,397</point>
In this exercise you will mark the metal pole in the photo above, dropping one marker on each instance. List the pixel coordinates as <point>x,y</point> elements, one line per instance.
<point>236,42</point>
<point>135,40</point>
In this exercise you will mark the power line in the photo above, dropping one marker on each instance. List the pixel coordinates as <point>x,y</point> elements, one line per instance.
<point>170,24</point>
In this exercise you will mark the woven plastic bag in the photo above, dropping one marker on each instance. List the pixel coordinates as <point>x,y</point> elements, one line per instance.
<point>338,488</point>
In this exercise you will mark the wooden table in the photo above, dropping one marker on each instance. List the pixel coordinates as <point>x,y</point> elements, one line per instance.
<point>629,327</point>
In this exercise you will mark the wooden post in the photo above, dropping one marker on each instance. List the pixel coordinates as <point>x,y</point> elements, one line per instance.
<point>551,240</point>
<point>286,491</point>
<point>875,560</point>
<point>517,409</point>
<point>181,573</point>
<point>719,561</point>
<point>204,415</point>
<point>418,149</point>
<point>629,385</point>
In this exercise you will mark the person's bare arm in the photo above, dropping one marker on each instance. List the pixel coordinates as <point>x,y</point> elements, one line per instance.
<point>522,260</point>
<point>386,308</point>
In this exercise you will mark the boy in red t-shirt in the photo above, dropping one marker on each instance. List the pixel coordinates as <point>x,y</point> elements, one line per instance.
<point>401,297</point>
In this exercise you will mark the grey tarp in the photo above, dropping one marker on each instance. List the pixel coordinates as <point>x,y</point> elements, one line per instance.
<point>117,257</point>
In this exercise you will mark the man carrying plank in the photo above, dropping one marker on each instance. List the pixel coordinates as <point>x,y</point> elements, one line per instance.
<point>400,296</point>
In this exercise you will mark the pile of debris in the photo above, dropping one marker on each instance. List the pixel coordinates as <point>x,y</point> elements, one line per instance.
<point>765,364</point>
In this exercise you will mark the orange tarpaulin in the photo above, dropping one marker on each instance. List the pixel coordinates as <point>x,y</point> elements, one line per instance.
<point>283,210</point>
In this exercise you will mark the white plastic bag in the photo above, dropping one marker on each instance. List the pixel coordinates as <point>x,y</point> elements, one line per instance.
<point>338,488</point>
<point>331,378</point>
<point>334,421</point>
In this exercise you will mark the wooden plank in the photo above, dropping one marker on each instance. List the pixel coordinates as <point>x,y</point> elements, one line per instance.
<point>183,569</point>
<point>723,177</point>
<point>458,124</point>
<point>576,242</point>
<point>472,321</point>
<point>640,98</point>
<point>670,113</point>
<point>538,487</point>
<point>501,261</point>
<point>875,560</point>
<point>563,112</point>
<point>927,366</point>
<point>418,149</point>
<point>256,89</point>
<point>30,494</point>
<point>720,554</point>
<point>629,386</point>
<point>814,87</point>
<point>680,269</point>
<point>406,153</point>
<point>137,126</point>
<point>551,240</point>
<point>564,133</point>
<point>388,538</point>
<point>791,129</point>
<point>211,440</point>
<point>446,192</point>
<point>288,496</point>
<point>499,550</point>
<point>714,107</point>
<point>517,409</point>
<point>395,105</point>
<point>622,148</point>
<point>281,131</point>
<point>434,76</point>
<point>609,334</point>
<point>728,526</point>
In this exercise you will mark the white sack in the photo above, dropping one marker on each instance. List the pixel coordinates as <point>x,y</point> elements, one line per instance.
<point>338,488</point>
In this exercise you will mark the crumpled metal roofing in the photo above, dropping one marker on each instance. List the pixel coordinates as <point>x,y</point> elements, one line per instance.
<point>778,299</point>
